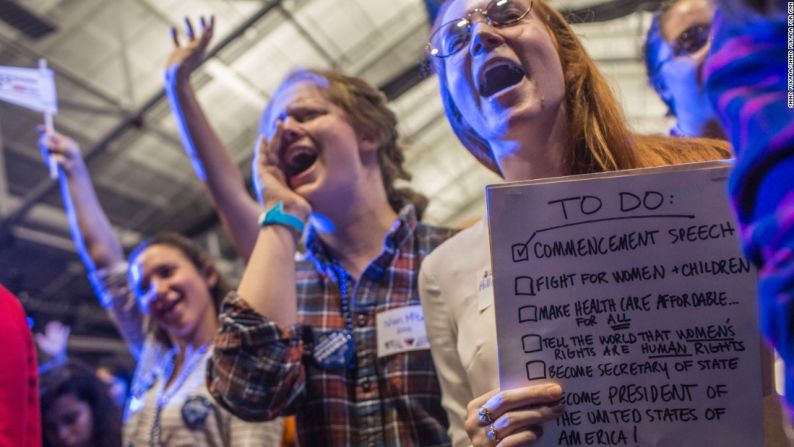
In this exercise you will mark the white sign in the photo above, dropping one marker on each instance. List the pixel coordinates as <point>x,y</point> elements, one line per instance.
<point>33,88</point>
<point>401,330</point>
<point>629,289</point>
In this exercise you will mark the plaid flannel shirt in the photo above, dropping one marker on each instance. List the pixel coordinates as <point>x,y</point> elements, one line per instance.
<point>746,80</point>
<point>260,371</point>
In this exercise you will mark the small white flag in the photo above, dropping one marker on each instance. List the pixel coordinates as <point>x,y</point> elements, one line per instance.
<point>33,88</point>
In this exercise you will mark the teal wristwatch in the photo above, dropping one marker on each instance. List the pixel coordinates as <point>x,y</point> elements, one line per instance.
<point>277,216</point>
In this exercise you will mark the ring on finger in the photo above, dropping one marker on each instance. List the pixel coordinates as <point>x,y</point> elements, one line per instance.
<point>492,434</point>
<point>485,416</point>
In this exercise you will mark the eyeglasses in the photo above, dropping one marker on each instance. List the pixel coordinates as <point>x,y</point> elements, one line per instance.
<point>450,37</point>
<point>691,40</point>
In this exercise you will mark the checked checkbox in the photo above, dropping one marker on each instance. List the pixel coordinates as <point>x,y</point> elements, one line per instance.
<point>520,252</point>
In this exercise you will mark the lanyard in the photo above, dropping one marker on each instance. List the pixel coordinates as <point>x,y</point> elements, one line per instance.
<point>341,277</point>
<point>336,348</point>
<point>164,394</point>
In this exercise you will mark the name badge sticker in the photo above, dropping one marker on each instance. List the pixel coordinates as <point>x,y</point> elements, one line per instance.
<point>484,289</point>
<point>401,330</point>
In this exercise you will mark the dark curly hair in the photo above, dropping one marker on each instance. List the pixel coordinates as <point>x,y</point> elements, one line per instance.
<point>78,379</point>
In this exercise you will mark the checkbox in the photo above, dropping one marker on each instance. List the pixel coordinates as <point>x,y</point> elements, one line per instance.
<point>524,286</point>
<point>532,343</point>
<point>520,252</point>
<point>527,313</point>
<point>536,370</point>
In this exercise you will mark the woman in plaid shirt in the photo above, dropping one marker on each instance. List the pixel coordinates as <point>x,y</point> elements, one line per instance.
<point>301,336</point>
<point>308,336</point>
<point>316,337</point>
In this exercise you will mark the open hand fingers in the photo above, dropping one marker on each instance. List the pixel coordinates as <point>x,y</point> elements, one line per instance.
<point>476,413</point>
<point>206,27</point>
<point>518,421</point>
<point>175,36</point>
<point>58,328</point>
<point>189,29</point>
<point>272,148</point>
<point>504,401</point>
<point>206,33</point>
<point>512,417</point>
<point>521,438</point>
<point>267,160</point>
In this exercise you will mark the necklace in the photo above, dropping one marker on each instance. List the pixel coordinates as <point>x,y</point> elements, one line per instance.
<point>336,349</point>
<point>341,276</point>
<point>165,393</point>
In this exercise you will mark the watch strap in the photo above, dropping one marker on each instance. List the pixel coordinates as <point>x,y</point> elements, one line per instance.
<point>278,216</point>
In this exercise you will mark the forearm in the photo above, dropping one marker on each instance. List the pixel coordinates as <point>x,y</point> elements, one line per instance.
<point>113,290</point>
<point>256,370</point>
<point>91,231</point>
<point>213,164</point>
<point>268,283</point>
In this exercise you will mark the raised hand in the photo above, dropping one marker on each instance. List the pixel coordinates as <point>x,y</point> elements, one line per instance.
<point>54,339</point>
<point>270,180</point>
<point>512,418</point>
<point>185,58</point>
<point>63,150</point>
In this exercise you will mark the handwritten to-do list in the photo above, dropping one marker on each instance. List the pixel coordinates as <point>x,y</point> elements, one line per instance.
<point>629,289</point>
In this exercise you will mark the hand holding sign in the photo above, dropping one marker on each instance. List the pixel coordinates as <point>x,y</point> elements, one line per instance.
<point>63,151</point>
<point>512,417</point>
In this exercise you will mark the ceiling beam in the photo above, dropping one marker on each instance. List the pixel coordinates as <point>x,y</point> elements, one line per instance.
<point>129,86</point>
<point>308,36</point>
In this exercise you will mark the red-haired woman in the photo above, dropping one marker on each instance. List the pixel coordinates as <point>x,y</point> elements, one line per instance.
<point>523,97</point>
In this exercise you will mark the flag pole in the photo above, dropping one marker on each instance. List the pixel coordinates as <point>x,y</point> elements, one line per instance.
<point>50,127</point>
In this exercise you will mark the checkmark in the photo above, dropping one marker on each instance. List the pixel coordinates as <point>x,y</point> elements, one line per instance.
<point>520,252</point>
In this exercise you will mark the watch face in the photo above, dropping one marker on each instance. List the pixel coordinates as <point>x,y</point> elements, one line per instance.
<point>333,349</point>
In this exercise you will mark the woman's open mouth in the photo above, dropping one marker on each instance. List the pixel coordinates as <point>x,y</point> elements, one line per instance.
<point>298,159</point>
<point>499,76</point>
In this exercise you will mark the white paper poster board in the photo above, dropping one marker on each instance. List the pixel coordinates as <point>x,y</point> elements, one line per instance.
<point>631,290</point>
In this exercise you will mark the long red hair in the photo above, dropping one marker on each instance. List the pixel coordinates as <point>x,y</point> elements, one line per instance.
<point>599,138</point>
